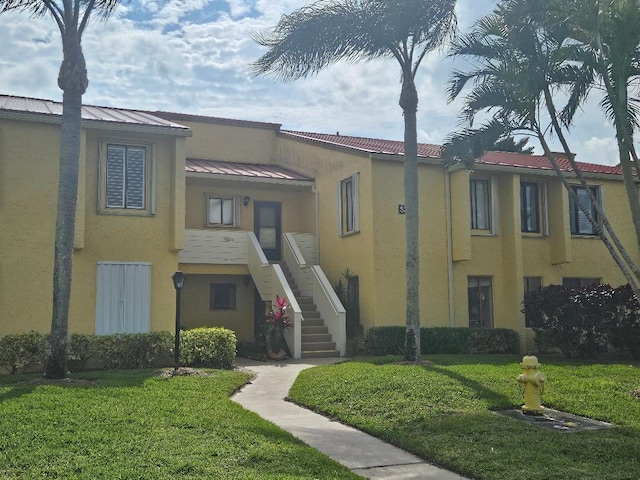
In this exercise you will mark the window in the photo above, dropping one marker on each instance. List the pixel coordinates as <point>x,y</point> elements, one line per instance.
<point>480,193</point>
<point>480,302</point>
<point>348,208</point>
<point>223,296</point>
<point>126,167</point>
<point>222,211</point>
<point>529,207</point>
<point>531,284</point>
<point>579,282</point>
<point>123,298</point>
<point>126,179</point>
<point>579,223</point>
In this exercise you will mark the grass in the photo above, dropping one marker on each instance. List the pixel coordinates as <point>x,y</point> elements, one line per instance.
<point>443,413</point>
<point>131,424</point>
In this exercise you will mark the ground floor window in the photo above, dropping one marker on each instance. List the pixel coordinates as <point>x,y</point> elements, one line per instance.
<point>579,282</point>
<point>123,298</point>
<point>223,296</point>
<point>480,293</point>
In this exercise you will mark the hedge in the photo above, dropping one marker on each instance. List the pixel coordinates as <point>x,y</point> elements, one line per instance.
<point>201,347</point>
<point>390,340</point>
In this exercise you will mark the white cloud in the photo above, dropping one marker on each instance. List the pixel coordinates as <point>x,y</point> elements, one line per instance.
<point>192,56</point>
<point>603,150</point>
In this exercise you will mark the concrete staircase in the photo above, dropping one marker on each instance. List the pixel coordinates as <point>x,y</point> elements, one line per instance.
<point>316,339</point>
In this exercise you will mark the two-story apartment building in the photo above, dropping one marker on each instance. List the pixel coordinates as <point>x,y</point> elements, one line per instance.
<point>250,211</point>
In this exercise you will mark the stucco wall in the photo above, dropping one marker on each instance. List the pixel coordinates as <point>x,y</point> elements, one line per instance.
<point>195,304</point>
<point>29,153</point>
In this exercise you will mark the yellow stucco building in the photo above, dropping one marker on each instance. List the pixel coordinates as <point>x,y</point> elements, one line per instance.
<point>250,211</point>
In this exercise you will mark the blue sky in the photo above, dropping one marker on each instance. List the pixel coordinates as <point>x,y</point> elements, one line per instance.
<point>191,56</point>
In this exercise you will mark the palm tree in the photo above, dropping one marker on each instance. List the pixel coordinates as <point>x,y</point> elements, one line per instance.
<point>609,32</point>
<point>520,61</point>
<point>327,31</point>
<point>72,18</point>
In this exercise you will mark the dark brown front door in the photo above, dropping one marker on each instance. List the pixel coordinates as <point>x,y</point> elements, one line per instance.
<point>267,225</point>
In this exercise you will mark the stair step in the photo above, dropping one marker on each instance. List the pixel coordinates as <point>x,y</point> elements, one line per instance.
<point>309,330</point>
<point>310,314</point>
<point>305,301</point>
<point>318,346</point>
<point>320,353</point>
<point>315,337</point>
<point>313,322</point>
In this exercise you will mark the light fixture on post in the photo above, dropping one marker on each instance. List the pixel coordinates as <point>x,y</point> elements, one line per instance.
<point>246,200</point>
<point>178,283</point>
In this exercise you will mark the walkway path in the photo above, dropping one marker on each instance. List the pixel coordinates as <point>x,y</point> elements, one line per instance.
<point>363,454</point>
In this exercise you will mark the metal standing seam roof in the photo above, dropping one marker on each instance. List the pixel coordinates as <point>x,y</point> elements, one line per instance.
<point>425,150</point>
<point>37,106</point>
<point>238,169</point>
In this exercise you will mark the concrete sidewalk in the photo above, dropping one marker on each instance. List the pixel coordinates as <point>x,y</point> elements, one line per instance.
<point>363,454</point>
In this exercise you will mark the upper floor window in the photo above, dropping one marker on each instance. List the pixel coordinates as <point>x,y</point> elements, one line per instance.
<point>580,225</point>
<point>480,193</point>
<point>348,208</point>
<point>221,211</point>
<point>529,207</point>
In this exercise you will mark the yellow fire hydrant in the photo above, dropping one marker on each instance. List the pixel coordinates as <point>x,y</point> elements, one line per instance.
<point>533,380</point>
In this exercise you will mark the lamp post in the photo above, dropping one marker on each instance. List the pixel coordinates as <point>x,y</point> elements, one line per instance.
<point>178,283</point>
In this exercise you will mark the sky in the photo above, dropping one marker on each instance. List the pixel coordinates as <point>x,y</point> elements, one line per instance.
<point>192,56</point>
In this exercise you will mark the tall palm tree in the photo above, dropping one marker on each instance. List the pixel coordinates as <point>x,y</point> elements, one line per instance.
<point>72,17</point>
<point>609,32</point>
<point>327,31</point>
<point>520,61</point>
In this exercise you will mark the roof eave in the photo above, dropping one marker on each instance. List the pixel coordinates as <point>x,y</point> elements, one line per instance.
<point>101,124</point>
<point>542,171</point>
<point>243,178</point>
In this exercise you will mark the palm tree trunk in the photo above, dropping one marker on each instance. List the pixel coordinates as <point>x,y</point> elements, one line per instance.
<point>605,221</point>
<point>73,82</point>
<point>409,104</point>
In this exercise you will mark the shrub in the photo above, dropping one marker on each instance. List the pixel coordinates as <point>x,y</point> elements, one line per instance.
<point>81,349</point>
<point>624,329</point>
<point>23,351</point>
<point>390,340</point>
<point>208,347</point>
<point>132,350</point>
<point>385,341</point>
<point>573,320</point>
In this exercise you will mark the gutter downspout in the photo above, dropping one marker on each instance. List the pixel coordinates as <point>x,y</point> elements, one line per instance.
<point>447,201</point>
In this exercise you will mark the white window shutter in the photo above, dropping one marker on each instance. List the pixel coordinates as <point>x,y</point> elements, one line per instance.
<point>123,298</point>
<point>115,176</point>
<point>339,212</point>
<point>355,182</point>
<point>135,177</point>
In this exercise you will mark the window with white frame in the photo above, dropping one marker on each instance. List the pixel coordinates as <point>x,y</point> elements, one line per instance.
<point>579,282</point>
<point>530,211</point>
<point>126,178</point>
<point>222,211</point>
<point>348,205</point>
<point>580,225</point>
<point>480,200</point>
<point>480,297</point>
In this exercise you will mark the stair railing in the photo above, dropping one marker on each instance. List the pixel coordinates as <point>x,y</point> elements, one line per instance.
<point>312,282</point>
<point>330,308</point>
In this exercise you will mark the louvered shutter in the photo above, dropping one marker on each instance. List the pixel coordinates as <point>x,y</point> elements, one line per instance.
<point>115,176</point>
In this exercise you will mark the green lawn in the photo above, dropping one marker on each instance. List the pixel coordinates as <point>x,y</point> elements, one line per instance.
<point>133,425</point>
<point>443,414</point>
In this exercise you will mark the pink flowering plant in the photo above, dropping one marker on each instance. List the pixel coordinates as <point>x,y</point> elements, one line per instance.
<point>277,322</point>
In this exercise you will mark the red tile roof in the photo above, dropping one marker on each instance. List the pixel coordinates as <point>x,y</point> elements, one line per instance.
<point>540,162</point>
<point>425,150</point>
<point>369,145</point>
<point>254,170</point>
